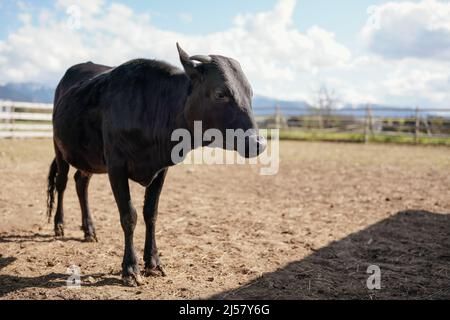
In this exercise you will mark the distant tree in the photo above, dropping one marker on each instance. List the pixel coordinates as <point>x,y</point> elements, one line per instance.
<point>326,102</point>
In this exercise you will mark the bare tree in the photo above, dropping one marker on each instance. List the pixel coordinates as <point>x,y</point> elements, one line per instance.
<point>326,102</point>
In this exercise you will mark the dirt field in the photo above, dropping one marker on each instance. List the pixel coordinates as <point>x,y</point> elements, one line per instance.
<point>226,232</point>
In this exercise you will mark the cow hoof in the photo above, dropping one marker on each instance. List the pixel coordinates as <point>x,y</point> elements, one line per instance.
<point>132,280</point>
<point>59,231</point>
<point>157,271</point>
<point>90,238</point>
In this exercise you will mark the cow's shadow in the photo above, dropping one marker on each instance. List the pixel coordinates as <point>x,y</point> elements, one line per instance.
<point>10,283</point>
<point>36,237</point>
<point>411,248</point>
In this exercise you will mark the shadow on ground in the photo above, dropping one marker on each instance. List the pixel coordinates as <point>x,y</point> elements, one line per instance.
<point>412,249</point>
<point>11,283</point>
<point>37,237</point>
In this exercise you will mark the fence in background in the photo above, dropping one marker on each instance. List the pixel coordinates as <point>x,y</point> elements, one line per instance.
<point>368,122</point>
<point>25,119</point>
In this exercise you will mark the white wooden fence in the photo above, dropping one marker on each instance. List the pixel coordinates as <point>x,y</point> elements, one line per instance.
<point>25,119</point>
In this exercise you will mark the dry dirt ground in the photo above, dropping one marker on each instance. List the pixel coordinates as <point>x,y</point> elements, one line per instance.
<point>225,232</point>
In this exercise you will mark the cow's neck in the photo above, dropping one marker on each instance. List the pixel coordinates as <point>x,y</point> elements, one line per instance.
<point>176,118</point>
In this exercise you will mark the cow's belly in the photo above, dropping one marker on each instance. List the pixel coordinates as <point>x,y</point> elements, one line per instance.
<point>143,174</point>
<point>85,158</point>
<point>80,141</point>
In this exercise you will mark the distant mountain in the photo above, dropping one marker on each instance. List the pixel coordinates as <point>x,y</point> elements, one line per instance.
<point>265,105</point>
<point>261,101</point>
<point>27,92</point>
<point>383,111</point>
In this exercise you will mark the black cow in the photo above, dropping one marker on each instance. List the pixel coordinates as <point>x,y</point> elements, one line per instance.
<point>120,120</point>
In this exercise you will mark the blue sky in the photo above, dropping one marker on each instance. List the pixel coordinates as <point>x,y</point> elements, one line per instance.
<point>397,53</point>
<point>344,17</point>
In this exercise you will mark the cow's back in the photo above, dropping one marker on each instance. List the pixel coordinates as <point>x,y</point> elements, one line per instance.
<point>76,75</point>
<point>76,128</point>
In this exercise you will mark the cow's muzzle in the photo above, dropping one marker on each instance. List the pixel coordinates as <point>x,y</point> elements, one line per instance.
<point>254,146</point>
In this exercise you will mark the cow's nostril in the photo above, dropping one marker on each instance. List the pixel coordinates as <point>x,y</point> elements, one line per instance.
<point>254,146</point>
<point>262,144</point>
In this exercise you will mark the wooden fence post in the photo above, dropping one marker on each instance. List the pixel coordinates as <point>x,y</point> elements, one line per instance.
<point>277,117</point>
<point>12,120</point>
<point>417,127</point>
<point>427,126</point>
<point>320,119</point>
<point>368,124</point>
<point>280,120</point>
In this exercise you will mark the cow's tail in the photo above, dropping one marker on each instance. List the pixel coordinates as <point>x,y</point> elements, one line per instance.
<point>51,188</point>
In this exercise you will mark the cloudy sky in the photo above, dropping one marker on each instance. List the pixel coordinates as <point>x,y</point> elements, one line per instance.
<point>390,52</point>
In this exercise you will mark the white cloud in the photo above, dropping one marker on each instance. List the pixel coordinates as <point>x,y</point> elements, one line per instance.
<point>279,60</point>
<point>409,51</point>
<point>429,81</point>
<point>399,30</point>
<point>271,50</point>
<point>88,7</point>
<point>25,18</point>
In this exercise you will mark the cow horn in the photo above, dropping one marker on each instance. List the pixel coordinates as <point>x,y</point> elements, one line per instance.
<point>183,55</point>
<point>201,58</point>
<point>188,64</point>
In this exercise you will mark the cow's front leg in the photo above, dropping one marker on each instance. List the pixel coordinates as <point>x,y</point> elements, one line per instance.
<point>151,257</point>
<point>119,182</point>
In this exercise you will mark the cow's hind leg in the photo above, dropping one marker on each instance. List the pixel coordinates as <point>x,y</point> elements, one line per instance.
<point>151,257</point>
<point>87,224</point>
<point>118,178</point>
<point>61,182</point>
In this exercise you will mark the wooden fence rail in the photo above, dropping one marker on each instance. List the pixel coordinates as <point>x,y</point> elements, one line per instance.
<point>25,119</point>
<point>368,121</point>
<point>25,116</point>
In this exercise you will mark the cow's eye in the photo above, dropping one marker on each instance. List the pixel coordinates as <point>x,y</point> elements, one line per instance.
<point>221,96</point>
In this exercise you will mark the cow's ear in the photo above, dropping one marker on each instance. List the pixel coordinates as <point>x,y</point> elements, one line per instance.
<point>188,64</point>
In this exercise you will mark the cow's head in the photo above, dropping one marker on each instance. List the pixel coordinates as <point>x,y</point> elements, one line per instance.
<point>221,97</point>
